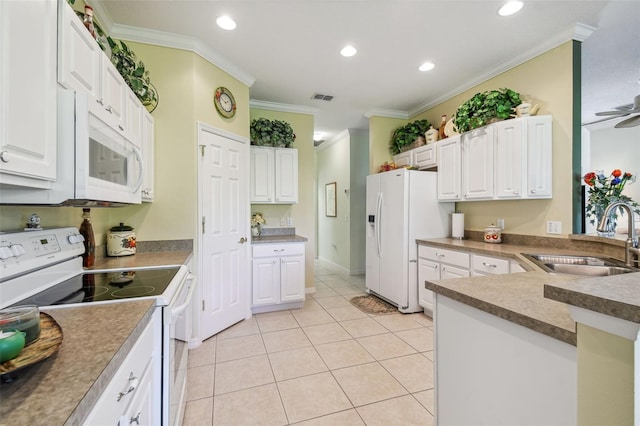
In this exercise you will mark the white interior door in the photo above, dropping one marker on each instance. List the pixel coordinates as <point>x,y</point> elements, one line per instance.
<point>224,250</point>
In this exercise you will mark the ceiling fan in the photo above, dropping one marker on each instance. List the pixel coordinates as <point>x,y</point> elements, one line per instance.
<point>623,111</point>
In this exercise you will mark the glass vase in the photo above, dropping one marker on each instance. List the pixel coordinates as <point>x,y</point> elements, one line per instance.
<point>611,224</point>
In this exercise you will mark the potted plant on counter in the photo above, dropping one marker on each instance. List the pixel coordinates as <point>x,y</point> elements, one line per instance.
<point>409,136</point>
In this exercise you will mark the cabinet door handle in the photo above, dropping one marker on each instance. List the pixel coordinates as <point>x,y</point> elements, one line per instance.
<point>533,191</point>
<point>100,101</point>
<point>136,418</point>
<point>412,261</point>
<point>109,109</point>
<point>120,127</point>
<point>134,384</point>
<point>242,240</point>
<point>435,266</point>
<point>489,265</point>
<point>3,156</point>
<point>440,254</point>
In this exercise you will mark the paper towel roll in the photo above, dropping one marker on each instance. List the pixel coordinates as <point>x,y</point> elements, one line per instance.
<point>457,226</point>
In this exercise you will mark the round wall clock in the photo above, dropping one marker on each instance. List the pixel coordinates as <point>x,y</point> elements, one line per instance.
<point>225,102</point>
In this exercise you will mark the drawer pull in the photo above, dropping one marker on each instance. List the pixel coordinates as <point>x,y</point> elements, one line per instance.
<point>276,250</point>
<point>440,254</point>
<point>132,386</point>
<point>136,418</point>
<point>489,265</point>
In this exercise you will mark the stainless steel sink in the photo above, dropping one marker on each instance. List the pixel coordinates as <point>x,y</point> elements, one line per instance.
<point>580,265</point>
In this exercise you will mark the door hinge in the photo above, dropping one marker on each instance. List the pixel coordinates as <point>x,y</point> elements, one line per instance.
<point>203,304</point>
<point>202,150</point>
<point>204,220</point>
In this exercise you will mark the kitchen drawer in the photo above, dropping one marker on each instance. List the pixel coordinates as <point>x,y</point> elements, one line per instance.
<point>111,404</point>
<point>438,254</point>
<point>271,250</point>
<point>490,265</point>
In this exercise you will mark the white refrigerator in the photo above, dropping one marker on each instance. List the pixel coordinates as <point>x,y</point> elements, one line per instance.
<point>402,206</point>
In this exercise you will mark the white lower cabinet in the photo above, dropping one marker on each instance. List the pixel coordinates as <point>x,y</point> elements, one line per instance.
<point>278,276</point>
<point>132,396</point>
<point>436,263</point>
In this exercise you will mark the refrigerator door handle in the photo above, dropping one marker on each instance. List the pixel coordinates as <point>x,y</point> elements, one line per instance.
<point>379,223</point>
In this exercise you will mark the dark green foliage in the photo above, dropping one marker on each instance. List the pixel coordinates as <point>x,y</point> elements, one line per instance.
<point>484,107</point>
<point>265,132</point>
<point>407,134</point>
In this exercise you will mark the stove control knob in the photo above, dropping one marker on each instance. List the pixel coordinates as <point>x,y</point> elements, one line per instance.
<point>5,253</point>
<point>17,250</point>
<point>77,238</point>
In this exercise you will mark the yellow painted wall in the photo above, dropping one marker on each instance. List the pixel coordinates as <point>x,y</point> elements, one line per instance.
<point>547,81</point>
<point>303,213</point>
<point>380,132</point>
<point>605,378</point>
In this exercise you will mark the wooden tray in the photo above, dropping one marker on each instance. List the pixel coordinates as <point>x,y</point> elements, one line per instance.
<point>47,344</point>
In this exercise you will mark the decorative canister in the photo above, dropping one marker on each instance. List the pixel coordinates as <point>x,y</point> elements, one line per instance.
<point>492,234</point>
<point>121,241</point>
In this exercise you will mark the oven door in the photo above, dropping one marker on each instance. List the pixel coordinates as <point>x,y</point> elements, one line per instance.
<point>108,166</point>
<point>179,327</point>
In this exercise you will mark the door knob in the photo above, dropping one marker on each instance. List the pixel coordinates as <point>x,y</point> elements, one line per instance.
<point>242,240</point>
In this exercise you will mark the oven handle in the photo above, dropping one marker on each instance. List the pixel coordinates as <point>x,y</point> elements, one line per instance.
<point>178,310</point>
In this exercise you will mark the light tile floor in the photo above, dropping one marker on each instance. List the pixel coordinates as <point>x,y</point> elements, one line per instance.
<point>325,364</point>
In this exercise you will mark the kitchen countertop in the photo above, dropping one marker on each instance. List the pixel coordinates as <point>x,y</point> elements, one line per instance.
<point>272,239</point>
<point>162,258</point>
<point>536,299</point>
<point>63,388</point>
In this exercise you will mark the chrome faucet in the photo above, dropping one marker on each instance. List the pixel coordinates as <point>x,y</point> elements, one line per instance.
<point>631,245</point>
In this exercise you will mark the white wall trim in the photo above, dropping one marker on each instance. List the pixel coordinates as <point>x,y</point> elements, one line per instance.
<point>176,41</point>
<point>577,32</point>
<point>334,265</point>
<point>220,132</point>
<point>275,106</point>
<point>388,113</point>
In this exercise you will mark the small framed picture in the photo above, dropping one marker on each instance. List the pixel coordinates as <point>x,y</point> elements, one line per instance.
<point>330,199</point>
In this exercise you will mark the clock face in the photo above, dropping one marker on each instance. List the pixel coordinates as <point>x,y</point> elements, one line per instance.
<point>224,102</point>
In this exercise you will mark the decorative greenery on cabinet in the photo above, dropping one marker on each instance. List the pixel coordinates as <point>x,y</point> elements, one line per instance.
<point>485,108</point>
<point>134,73</point>
<point>265,132</point>
<point>406,135</point>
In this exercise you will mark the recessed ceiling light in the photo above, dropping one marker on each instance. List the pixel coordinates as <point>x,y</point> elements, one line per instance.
<point>226,23</point>
<point>510,8</point>
<point>317,136</point>
<point>348,51</point>
<point>426,66</point>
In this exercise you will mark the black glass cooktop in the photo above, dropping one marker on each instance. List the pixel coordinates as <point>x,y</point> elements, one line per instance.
<point>102,286</point>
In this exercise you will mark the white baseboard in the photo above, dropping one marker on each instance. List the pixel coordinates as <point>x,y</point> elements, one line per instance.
<point>309,290</point>
<point>335,265</point>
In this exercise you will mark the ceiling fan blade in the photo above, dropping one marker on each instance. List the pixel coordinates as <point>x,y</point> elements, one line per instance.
<point>619,113</point>
<point>629,122</point>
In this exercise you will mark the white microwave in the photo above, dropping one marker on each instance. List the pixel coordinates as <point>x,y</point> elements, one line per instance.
<point>97,164</point>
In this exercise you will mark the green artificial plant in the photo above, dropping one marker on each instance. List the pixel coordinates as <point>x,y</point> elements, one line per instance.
<point>134,73</point>
<point>265,132</point>
<point>486,107</point>
<point>407,134</point>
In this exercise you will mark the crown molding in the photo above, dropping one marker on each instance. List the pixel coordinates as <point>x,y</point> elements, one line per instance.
<point>275,106</point>
<point>176,41</point>
<point>388,113</point>
<point>578,32</point>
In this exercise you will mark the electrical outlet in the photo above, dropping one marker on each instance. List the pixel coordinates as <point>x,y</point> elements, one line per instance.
<point>500,223</point>
<point>554,227</point>
<point>290,221</point>
<point>283,221</point>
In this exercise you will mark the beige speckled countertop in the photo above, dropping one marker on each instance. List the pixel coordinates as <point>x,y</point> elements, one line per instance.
<point>63,388</point>
<point>144,259</point>
<point>537,299</point>
<point>617,295</point>
<point>273,239</point>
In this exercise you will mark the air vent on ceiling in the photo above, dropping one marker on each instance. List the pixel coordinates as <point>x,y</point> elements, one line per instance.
<point>321,97</point>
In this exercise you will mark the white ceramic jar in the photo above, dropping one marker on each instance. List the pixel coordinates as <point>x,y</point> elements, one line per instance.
<point>121,241</point>
<point>493,234</point>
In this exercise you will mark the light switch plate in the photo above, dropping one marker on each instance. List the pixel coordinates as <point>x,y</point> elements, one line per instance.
<point>554,227</point>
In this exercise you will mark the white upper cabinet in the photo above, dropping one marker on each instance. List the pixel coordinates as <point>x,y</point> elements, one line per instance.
<point>423,157</point>
<point>82,66</point>
<point>477,164</point>
<point>404,158</point>
<point>449,169</point>
<point>510,159</point>
<point>148,156</point>
<point>539,157</point>
<point>274,175</point>
<point>28,93</point>
<point>79,54</point>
